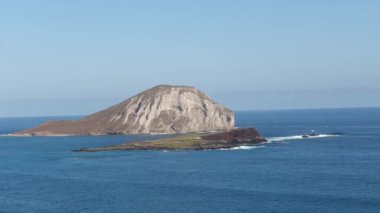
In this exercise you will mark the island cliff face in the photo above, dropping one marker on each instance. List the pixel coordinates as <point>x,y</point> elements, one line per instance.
<point>161,109</point>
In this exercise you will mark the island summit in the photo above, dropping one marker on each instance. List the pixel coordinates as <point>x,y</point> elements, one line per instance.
<point>197,121</point>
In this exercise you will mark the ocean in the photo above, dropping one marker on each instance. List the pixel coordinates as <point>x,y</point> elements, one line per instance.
<point>289,174</point>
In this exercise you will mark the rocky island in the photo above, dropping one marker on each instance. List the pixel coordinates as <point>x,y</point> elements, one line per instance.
<point>197,121</point>
<point>192,141</point>
<point>162,109</point>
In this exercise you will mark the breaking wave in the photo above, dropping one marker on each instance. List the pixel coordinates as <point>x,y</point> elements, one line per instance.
<point>243,148</point>
<point>300,137</point>
<point>284,138</point>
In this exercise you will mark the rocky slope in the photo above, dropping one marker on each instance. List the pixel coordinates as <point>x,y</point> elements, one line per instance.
<point>192,141</point>
<point>161,109</point>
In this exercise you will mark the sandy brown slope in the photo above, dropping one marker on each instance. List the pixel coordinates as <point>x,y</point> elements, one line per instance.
<point>161,109</point>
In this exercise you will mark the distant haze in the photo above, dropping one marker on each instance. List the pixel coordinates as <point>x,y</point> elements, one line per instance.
<point>77,57</point>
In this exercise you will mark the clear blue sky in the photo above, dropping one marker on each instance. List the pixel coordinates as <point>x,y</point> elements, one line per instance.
<point>78,56</point>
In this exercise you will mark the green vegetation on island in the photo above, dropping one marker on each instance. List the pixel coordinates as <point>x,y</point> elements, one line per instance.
<point>191,141</point>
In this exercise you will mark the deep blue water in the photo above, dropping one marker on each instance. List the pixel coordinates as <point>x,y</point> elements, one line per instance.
<point>331,174</point>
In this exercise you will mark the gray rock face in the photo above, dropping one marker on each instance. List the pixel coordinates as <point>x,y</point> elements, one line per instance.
<point>161,109</point>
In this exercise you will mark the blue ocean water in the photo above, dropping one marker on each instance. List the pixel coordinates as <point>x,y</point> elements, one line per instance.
<point>327,174</point>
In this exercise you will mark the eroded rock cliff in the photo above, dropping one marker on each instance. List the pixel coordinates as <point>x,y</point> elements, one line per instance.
<point>161,109</point>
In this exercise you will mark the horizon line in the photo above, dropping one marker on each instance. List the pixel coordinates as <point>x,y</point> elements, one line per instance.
<point>235,111</point>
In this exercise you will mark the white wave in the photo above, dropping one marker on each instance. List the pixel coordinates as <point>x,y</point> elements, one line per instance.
<point>298,137</point>
<point>243,148</point>
<point>285,138</point>
<point>6,135</point>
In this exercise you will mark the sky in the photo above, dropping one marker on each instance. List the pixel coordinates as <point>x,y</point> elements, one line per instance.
<point>74,57</point>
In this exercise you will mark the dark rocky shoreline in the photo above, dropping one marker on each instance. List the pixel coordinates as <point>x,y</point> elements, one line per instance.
<point>192,141</point>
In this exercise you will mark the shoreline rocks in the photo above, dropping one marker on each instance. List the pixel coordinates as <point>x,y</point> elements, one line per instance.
<point>192,141</point>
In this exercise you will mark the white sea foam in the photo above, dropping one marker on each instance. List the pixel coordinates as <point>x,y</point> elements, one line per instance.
<point>298,137</point>
<point>285,138</point>
<point>6,135</point>
<point>243,148</point>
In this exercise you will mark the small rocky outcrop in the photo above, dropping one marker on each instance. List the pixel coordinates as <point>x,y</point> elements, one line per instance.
<point>161,109</point>
<point>235,136</point>
<point>192,141</point>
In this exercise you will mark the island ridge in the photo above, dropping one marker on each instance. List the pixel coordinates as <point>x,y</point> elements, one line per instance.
<point>162,109</point>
